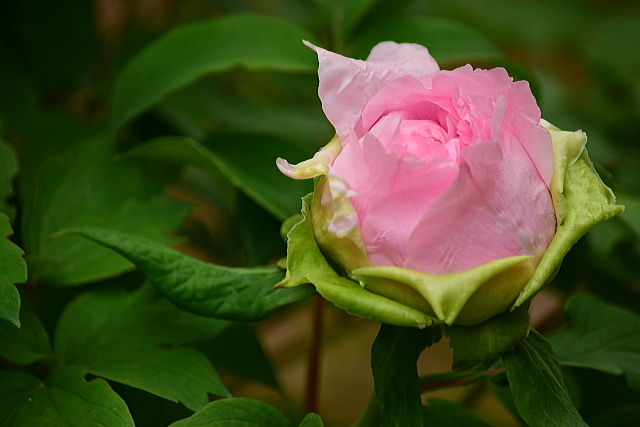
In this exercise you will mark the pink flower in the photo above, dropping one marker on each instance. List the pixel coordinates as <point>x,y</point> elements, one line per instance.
<point>438,172</point>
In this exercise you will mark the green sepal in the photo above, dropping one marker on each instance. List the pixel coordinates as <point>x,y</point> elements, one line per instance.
<point>307,264</point>
<point>447,294</point>
<point>580,198</point>
<point>473,345</point>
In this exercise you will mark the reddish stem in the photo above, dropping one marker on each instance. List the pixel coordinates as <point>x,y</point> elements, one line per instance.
<point>314,356</point>
<point>426,385</point>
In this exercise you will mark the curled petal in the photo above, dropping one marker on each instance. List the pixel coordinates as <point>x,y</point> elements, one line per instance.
<point>335,222</point>
<point>316,166</point>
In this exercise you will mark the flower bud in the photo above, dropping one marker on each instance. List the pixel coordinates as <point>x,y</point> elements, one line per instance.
<point>443,191</point>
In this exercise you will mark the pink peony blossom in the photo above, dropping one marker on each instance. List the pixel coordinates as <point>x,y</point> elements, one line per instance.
<point>447,170</point>
<point>440,191</point>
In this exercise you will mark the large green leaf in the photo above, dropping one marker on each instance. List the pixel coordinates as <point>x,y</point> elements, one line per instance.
<point>536,382</point>
<point>64,399</point>
<point>203,107</point>
<point>394,355</point>
<point>116,335</point>
<point>448,41</point>
<point>188,52</point>
<point>8,169</point>
<point>14,270</point>
<point>238,294</point>
<point>444,413</point>
<point>473,345</point>
<point>28,343</point>
<point>237,412</point>
<point>86,187</point>
<point>601,336</point>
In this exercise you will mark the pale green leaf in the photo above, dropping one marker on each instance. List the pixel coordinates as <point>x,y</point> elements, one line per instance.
<point>447,294</point>
<point>580,198</point>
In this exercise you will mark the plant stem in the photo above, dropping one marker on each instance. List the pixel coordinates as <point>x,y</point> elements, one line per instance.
<point>314,356</point>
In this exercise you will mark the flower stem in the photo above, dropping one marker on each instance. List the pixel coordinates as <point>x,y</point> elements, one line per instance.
<point>314,356</point>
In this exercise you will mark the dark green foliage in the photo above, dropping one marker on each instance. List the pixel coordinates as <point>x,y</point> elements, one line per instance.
<point>393,361</point>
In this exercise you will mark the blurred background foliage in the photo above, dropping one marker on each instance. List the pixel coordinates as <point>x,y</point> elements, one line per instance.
<point>196,130</point>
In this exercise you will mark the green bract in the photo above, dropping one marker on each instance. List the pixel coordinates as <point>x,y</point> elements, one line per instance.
<point>411,298</point>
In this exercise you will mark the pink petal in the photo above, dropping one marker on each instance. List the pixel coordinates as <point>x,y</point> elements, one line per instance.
<point>346,85</point>
<point>395,186</point>
<point>498,207</point>
<point>414,59</point>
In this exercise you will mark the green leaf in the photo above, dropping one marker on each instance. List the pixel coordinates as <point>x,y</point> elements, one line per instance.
<point>202,108</point>
<point>473,345</point>
<point>86,187</point>
<point>306,264</point>
<point>311,420</point>
<point>601,336</point>
<point>8,169</point>
<point>448,41</point>
<point>116,335</point>
<point>255,174</point>
<point>190,51</point>
<point>444,413</point>
<point>538,389</point>
<point>238,350</point>
<point>238,294</point>
<point>239,412</point>
<point>14,270</point>
<point>27,344</point>
<point>394,355</point>
<point>65,399</point>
